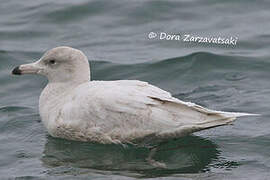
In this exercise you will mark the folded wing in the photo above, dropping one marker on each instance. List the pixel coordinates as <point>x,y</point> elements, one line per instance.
<point>130,109</point>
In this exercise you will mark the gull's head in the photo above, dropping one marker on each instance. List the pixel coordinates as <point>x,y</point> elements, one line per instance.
<point>60,64</point>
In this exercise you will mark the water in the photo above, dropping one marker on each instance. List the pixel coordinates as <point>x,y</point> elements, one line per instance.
<point>114,35</point>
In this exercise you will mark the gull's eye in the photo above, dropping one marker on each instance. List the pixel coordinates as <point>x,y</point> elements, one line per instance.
<point>52,61</point>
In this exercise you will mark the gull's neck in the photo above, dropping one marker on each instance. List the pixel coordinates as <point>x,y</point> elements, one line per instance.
<point>54,93</point>
<point>58,88</point>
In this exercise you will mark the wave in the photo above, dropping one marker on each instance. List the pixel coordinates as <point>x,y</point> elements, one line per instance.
<point>192,65</point>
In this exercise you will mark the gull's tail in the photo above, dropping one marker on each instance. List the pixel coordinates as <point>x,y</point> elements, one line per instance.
<point>220,119</point>
<point>193,118</point>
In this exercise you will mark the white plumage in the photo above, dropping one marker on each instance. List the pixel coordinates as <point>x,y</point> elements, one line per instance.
<point>125,111</point>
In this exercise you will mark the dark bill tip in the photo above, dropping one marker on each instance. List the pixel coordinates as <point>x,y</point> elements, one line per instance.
<point>17,71</point>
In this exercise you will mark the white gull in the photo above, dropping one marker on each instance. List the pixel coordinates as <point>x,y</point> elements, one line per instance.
<point>124,111</point>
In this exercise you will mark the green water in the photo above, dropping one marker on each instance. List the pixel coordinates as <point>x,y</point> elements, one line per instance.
<point>114,36</point>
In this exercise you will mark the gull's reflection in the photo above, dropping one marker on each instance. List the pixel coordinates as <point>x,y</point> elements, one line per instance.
<point>190,154</point>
